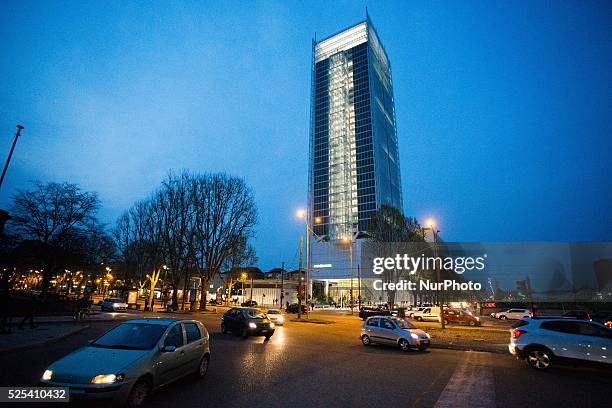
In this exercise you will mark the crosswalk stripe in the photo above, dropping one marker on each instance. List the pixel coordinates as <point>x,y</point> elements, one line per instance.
<point>471,384</point>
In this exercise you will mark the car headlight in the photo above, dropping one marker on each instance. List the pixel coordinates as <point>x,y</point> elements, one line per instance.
<point>47,375</point>
<point>281,319</point>
<point>477,318</point>
<point>252,325</point>
<point>271,325</point>
<point>414,336</point>
<point>106,378</point>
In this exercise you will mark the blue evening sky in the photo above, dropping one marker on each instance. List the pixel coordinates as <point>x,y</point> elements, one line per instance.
<point>503,108</point>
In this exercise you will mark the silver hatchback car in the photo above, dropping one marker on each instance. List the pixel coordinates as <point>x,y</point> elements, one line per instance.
<point>394,331</point>
<point>130,361</point>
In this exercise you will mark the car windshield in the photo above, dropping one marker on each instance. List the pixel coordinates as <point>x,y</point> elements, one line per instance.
<point>131,336</point>
<point>254,314</point>
<point>273,312</point>
<point>114,300</point>
<point>405,324</point>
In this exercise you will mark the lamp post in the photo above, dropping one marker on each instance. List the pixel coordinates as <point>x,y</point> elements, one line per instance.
<point>349,241</point>
<point>432,226</point>
<point>8,160</point>
<point>317,220</point>
<point>4,215</point>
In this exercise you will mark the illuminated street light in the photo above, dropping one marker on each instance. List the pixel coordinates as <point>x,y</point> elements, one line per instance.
<point>430,222</point>
<point>431,225</point>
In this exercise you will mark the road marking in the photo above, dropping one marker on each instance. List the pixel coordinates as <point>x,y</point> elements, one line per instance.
<point>471,384</point>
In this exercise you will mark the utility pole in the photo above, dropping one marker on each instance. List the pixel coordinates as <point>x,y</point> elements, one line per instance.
<point>282,294</point>
<point>359,283</point>
<point>252,276</point>
<point>300,282</point>
<point>8,160</point>
<point>440,298</point>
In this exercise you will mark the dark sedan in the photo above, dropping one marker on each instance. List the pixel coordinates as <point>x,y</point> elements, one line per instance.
<point>369,311</point>
<point>247,322</point>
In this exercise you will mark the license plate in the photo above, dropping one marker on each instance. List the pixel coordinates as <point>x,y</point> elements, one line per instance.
<point>264,331</point>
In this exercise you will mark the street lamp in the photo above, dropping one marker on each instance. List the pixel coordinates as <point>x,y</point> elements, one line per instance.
<point>349,240</point>
<point>431,225</point>
<point>317,220</point>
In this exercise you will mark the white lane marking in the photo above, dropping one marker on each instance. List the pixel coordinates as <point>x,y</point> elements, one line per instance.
<point>471,385</point>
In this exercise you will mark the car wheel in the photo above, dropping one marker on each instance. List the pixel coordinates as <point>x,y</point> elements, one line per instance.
<point>404,345</point>
<point>203,367</point>
<point>223,328</point>
<point>539,358</point>
<point>244,332</point>
<point>502,317</point>
<point>472,323</point>
<point>419,318</point>
<point>139,393</point>
<point>365,339</point>
<point>268,337</point>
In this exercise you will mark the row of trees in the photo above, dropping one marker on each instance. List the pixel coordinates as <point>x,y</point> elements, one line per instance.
<point>194,225</point>
<point>53,228</point>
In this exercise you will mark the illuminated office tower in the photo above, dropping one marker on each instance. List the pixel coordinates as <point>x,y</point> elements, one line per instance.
<point>354,162</point>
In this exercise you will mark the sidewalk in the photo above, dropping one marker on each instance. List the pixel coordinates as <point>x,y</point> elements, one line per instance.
<point>38,336</point>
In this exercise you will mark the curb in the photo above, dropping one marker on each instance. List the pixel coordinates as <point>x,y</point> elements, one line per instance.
<point>43,342</point>
<point>467,348</point>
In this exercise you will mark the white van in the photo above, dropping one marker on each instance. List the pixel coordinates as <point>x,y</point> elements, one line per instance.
<point>428,314</point>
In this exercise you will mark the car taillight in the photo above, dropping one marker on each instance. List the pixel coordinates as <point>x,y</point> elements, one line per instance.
<point>516,333</point>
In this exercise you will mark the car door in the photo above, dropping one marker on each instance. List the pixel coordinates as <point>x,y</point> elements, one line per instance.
<point>194,347</point>
<point>387,331</point>
<point>594,343</point>
<point>372,327</point>
<point>169,364</point>
<point>230,319</point>
<point>560,337</point>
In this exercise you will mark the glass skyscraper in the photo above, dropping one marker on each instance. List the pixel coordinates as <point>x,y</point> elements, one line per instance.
<point>354,161</point>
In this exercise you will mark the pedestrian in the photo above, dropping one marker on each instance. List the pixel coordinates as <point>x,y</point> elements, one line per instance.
<point>146,303</point>
<point>153,304</point>
<point>287,305</point>
<point>78,306</point>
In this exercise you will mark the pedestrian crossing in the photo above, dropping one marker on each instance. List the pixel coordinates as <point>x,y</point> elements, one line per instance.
<point>471,385</point>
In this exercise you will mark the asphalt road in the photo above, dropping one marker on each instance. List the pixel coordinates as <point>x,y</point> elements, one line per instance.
<point>316,365</point>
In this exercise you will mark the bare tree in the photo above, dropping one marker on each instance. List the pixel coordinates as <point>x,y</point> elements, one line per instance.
<point>53,214</point>
<point>225,214</point>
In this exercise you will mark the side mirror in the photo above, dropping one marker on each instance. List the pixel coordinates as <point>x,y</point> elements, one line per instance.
<point>169,349</point>
<point>90,341</point>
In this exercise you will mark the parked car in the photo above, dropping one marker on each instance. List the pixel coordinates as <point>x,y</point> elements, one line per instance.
<point>275,316</point>
<point>249,303</point>
<point>513,314</point>
<point>130,361</point>
<point>429,313</point>
<point>113,305</point>
<point>367,311</point>
<point>460,316</point>
<point>393,331</point>
<point>247,322</point>
<point>543,341</point>
<point>293,308</point>
<point>578,314</point>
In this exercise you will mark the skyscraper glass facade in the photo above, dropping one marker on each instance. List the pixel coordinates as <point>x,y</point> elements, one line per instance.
<point>354,162</point>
